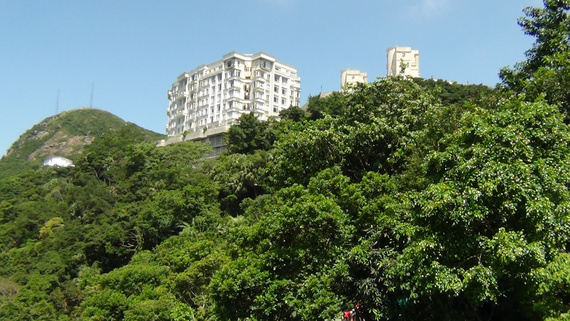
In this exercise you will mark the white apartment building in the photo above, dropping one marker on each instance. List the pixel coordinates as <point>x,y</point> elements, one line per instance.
<point>205,102</point>
<point>352,76</point>
<point>396,56</point>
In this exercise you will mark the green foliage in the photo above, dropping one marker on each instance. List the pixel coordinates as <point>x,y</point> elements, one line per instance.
<point>451,221</point>
<point>421,199</point>
<point>293,113</point>
<point>292,257</point>
<point>499,186</point>
<point>320,106</point>
<point>107,152</point>
<point>239,176</point>
<point>86,123</point>
<point>169,284</point>
<point>373,134</point>
<point>549,25</point>
<point>552,283</point>
<point>453,93</point>
<point>123,197</point>
<point>249,134</point>
<point>545,70</point>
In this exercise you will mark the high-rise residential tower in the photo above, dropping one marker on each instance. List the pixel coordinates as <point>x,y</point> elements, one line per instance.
<point>209,99</point>
<point>403,59</point>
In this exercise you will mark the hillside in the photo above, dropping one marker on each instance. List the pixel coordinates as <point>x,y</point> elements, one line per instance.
<point>399,200</point>
<point>393,201</point>
<point>65,134</point>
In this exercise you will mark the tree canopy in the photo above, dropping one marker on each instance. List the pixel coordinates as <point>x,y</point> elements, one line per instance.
<point>545,70</point>
<point>418,199</point>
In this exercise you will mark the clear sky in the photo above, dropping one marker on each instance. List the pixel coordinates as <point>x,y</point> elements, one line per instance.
<point>123,55</point>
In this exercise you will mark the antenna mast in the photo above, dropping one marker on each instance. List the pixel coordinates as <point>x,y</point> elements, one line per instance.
<point>57,103</point>
<point>91,99</point>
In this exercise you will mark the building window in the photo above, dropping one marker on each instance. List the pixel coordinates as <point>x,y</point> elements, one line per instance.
<point>276,89</point>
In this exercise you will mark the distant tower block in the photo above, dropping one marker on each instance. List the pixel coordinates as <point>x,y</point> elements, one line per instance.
<point>397,56</point>
<point>352,76</point>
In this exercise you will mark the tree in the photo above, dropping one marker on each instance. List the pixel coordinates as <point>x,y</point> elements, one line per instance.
<point>545,70</point>
<point>293,113</point>
<point>374,133</point>
<point>291,259</point>
<point>239,176</point>
<point>249,134</point>
<point>493,214</point>
<point>321,105</point>
<point>454,93</point>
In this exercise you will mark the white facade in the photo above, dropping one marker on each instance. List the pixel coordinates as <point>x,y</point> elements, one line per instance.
<point>352,76</point>
<point>57,161</point>
<point>216,95</point>
<point>396,56</point>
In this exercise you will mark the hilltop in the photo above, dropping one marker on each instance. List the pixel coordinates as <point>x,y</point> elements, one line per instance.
<point>65,134</point>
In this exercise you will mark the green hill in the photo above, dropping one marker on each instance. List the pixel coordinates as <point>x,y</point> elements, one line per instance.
<point>65,134</point>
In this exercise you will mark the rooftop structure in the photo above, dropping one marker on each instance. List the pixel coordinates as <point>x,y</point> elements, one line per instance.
<point>352,76</point>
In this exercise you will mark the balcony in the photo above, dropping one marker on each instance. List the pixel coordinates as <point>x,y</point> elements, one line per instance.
<point>234,77</point>
<point>234,96</point>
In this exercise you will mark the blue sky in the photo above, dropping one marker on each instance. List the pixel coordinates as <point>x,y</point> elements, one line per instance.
<point>129,52</point>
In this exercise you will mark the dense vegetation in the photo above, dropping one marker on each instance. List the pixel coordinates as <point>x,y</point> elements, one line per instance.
<point>424,200</point>
<point>65,135</point>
